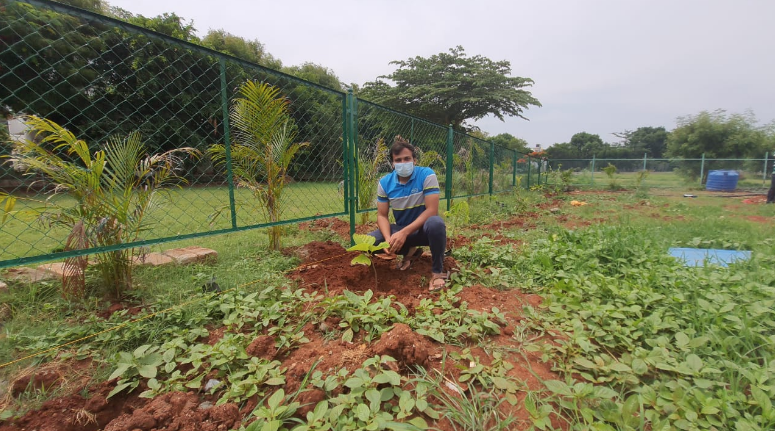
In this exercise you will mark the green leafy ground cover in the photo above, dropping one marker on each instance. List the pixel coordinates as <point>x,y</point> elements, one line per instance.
<point>637,341</point>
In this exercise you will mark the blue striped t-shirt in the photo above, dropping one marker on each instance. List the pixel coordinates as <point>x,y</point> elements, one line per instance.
<point>407,200</point>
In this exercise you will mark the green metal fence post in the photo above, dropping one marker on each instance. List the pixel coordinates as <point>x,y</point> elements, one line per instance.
<point>345,152</point>
<point>351,151</point>
<point>529,166</point>
<point>227,143</point>
<point>492,163</point>
<point>764,170</point>
<point>592,172</point>
<point>645,155</point>
<point>702,168</point>
<point>513,168</point>
<point>450,161</point>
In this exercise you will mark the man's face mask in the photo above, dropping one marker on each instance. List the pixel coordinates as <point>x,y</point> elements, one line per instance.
<point>404,169</point>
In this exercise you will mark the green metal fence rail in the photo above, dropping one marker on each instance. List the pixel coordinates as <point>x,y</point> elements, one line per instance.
<point>100,77</point>
<point>690,173</point>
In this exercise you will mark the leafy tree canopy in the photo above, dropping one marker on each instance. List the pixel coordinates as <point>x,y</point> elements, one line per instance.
<point>451,88</point>
<point>98,6</point>
<point>169,24</point>
<point>720,135</point>
<point>649,140</point>
<point>586,144</point>
<point>511,142</point>
<point>248,50</point>
<point>316,73</point>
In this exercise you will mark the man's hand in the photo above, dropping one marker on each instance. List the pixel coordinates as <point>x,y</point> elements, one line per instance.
<point>396,242</point>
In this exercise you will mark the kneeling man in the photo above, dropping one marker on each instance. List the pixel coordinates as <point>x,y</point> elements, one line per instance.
<point>413,194</point>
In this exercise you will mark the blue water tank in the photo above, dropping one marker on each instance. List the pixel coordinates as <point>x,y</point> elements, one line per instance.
<point>722,181</point>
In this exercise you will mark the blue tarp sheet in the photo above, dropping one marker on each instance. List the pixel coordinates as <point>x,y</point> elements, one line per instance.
<point>698,256</point>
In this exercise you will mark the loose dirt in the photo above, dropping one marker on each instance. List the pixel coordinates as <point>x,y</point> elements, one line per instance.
<point>327,269</point>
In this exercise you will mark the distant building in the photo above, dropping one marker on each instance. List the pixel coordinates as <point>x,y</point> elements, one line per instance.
<point>17,129</point>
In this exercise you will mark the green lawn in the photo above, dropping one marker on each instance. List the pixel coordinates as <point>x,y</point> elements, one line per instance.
<point>185,211</point>
<point>656,180</point>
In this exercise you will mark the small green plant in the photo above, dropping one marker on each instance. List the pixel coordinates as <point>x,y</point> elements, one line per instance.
<point>566,177</point>
<point>143,362</point>
<point>360,313</point>
<point>458,216</point>
<point>610,172</point>
<point>464,161</point>
<point>372,398</point>
<point>365,244</point>
<point>641,190</point>
<point>278,412</point>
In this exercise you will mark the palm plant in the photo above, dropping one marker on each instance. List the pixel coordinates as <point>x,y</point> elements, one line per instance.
<point>262,149</point>
<point>369,162</point>
<point>114,189</point>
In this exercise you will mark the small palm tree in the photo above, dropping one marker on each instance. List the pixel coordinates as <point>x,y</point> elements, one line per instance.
<point>263,148</point>
<point>114,189</point>
<point>369,162</point>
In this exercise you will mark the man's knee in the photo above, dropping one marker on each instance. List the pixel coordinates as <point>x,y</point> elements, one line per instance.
<point>377,234</point>
<point>435,225</point>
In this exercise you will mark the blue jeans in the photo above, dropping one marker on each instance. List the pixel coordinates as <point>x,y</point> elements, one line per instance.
<point>433,233</point>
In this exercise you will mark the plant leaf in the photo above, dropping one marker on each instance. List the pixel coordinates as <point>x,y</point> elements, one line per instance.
<point>361,259</point>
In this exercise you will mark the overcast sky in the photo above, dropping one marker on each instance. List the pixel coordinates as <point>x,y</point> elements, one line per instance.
<point>599,66</point>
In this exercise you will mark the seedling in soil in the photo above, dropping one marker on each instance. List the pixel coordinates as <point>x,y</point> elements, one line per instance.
<point>365,244</point>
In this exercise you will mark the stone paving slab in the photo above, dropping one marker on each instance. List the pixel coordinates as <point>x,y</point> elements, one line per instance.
<point>193,254</point>
<point>153,259</point>
<point>27,275</point>
<point>49,271</point>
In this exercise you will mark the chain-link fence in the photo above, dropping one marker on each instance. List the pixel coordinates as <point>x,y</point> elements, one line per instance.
<point>106,81</point>
<point>753,175</point>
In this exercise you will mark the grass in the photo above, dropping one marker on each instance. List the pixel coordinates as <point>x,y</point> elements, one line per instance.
<point>658,180</point>
<point>186,211</point>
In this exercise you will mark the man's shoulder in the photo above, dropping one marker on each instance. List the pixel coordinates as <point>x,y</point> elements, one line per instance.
<point>385,179</point>
<point>425,171</point>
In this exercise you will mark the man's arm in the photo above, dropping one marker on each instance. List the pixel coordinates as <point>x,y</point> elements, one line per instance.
<point>383,223</point>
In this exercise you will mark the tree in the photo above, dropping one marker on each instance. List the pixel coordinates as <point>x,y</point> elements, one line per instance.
<point>563,150</point>
<point>248,50</point>
<point>718,135</point>
<point>262,149</point>
<point>451,88</point>
<point>316,110</point>
<point>97,6</point>
<point>99,80</point>
<point>169,24</point>
<point>586,144</point>
<point>648,140</point>
<point>317,74</point>
<point>511,142</point>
